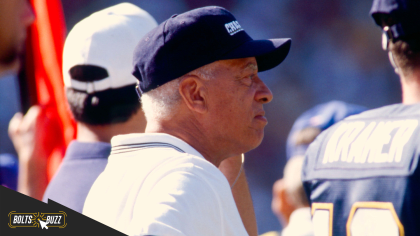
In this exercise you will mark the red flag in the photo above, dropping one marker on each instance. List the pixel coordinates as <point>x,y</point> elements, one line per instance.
<point>43,69</point>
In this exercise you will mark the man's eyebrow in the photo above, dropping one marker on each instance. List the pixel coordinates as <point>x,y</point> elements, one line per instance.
<point>251,65</point>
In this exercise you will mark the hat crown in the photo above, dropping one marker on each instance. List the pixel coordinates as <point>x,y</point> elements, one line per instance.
<point>186,37</point>
<point>196,38</point>
<point>105,39</point>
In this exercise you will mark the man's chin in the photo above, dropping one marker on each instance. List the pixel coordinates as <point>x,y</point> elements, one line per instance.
<point>256,141</point>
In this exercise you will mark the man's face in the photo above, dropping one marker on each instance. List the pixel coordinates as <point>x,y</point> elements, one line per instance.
<point>15,17</point>
<point>235,103</point>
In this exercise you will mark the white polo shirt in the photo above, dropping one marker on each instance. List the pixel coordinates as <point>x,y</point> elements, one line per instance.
<point>157,184</point>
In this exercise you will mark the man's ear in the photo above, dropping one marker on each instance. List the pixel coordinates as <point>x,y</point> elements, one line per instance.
<point>193,92</point>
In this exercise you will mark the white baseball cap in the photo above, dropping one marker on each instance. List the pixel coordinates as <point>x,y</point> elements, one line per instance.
<point>106,39</point>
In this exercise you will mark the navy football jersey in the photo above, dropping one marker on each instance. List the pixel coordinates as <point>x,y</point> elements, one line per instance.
<point>362,177</point>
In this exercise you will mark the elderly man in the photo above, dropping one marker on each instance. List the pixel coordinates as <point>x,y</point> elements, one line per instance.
<point>203,102</point>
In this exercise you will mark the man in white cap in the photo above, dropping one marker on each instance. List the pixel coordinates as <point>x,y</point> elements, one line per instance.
<point>101,93</point>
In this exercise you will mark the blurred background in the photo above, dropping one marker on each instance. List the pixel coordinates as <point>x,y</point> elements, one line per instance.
<point>336,55</point>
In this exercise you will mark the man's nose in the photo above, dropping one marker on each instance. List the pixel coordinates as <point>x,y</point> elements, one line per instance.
<point>263,94</point>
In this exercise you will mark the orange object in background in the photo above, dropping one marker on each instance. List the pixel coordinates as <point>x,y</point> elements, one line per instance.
<point>43,63</point>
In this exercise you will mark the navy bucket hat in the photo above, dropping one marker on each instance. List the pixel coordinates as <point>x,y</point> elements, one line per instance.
<point>196,38</point>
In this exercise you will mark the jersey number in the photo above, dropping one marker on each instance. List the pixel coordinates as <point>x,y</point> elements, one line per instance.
<point>365,218</point>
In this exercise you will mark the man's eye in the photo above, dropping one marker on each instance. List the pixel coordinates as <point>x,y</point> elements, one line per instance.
<point>248,80</point>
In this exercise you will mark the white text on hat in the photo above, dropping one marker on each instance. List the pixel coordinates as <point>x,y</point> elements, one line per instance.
<point>233,27</point>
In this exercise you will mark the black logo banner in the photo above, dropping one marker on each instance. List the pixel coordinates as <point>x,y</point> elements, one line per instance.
<point>37,220</point>
<point>23,215</point>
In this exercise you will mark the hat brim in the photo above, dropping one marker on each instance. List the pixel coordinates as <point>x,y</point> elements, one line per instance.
<point>269,53</point>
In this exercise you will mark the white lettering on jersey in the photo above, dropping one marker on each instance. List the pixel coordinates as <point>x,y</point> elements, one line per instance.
<point>356,142</point>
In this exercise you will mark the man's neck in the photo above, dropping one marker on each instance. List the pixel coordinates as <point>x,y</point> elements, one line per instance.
<point>410,84</point>
<point>104,133</point>
<point>190,133</point>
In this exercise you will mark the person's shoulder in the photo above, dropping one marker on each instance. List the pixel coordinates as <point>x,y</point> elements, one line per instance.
<point>79,166</point>
<point>181,198</point>
<point>193,170</point>
<point>87,150</point>
<point>389,111</point>
<point>197,179</point>
<point>381,140</point>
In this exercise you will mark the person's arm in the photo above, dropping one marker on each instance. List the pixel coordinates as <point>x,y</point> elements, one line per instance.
<point>26,133</point>
<point>230,168</point>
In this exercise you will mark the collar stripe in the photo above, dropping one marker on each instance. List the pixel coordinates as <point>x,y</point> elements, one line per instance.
<point>137,146</point>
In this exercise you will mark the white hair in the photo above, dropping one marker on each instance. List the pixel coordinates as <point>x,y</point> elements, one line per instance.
<point>163,101</point>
